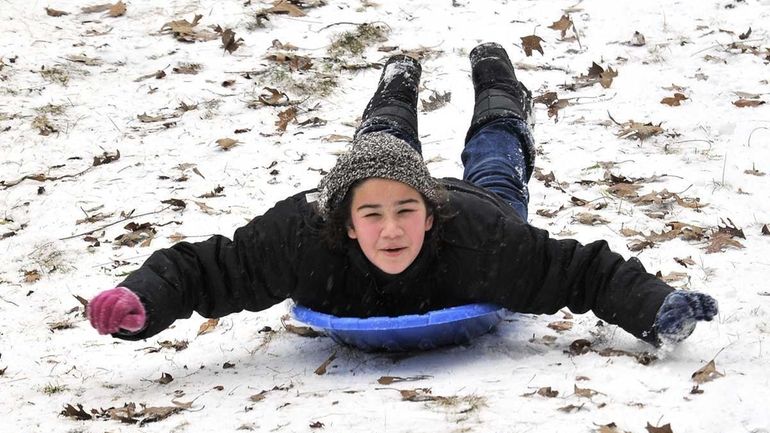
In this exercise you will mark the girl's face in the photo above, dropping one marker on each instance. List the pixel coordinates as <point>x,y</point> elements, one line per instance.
<point>389,220</point>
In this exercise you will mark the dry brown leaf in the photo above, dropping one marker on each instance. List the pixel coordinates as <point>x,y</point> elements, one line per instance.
<point>205,208</point>
<point>692,203</point>
<point>560,325</point>
<point>547,392</point>
<point>707,373</point>
<point>637,40</point>
<point>531,43</point>
<point>278,45</point>
<point>436,100</point>
<point>55,13</point>
<point>229,42</point>
<point>184,30</point>
<point>639,244</point>
<point>96,8</point>
<point>674,101</point>
<point>387,380</point>
<point>626,232</point>
<point>227,143</point>
<point>585,392</point>
<point>418,394</point>
<point>208,326</point>
<point>284,117</point>
<point>754,171</point>
<point>730,229</point>
<point>337,138</point>
<point>302,331</point>
<point>742,103</point>
<point>720,242</point>
<point>31,276</point>
<point>766,230</point>
<point>570,408</point>
<point>672,277</point>
<point>662,429</point>
<point>284,7</point>
<point>564,24</point>
<point>605,78</point>
<point>321,370</point>
<point>118,9</point>
<point>640,131</point>
<point>275,99</point>
<point>624,190</point>
<point>590,219</point>
<point>687,261</point>
<point>610,428</point>
<point>165,379</point>
<point>549,213</point>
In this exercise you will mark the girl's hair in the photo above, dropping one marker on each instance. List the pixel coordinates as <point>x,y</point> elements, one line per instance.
<point>335,231</point>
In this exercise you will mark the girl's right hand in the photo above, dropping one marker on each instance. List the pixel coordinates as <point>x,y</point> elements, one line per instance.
<point>116,309</point>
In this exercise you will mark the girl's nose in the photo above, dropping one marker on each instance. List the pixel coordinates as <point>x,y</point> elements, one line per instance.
<point>391,228</point>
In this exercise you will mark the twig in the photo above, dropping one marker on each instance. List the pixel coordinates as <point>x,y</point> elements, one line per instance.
<point>354,24</point>
<point>748,142</point>
<point>613,119</point>
<point>113,223</point>
<point>41,178</point>
<point>10,302</point>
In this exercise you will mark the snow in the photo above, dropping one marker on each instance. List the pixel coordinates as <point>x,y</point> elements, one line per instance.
<point>708,145</point>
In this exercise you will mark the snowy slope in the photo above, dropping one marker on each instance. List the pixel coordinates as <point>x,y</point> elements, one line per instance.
<point>86,85</point>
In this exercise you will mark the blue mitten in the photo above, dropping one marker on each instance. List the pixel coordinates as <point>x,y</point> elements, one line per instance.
<point>680,312</point>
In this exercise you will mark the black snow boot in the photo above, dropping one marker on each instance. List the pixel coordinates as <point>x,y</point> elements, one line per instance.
<point>498,93</point>
<point>394,104</point>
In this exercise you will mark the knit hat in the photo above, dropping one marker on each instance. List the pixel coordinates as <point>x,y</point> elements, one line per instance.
<point>376,154</point>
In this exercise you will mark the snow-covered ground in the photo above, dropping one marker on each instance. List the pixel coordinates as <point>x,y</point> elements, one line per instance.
<point>77,89</point>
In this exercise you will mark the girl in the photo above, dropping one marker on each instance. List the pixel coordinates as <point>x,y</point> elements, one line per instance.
<point>381,237</point>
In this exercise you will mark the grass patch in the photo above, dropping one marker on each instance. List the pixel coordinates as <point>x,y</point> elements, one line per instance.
<point>356,41</point>
<point>55,75</point>
<point>51,389</point>
<point>52,109</point>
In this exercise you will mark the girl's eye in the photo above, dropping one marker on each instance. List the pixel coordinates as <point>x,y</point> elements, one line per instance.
<point>405,211</point>
<point>371,215</point>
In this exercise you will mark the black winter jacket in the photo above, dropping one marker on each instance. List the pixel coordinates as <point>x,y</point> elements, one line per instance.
<point>483,252</point>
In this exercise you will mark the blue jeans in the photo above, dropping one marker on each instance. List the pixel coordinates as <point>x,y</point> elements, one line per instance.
<point>494,158</point>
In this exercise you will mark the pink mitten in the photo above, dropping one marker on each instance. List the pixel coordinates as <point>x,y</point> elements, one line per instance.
<point>116,309</point>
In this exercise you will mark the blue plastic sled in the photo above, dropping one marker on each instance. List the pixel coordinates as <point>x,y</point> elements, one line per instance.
<point>455,325</point>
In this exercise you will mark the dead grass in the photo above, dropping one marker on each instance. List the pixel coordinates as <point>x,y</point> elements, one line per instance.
<point>353,43</point>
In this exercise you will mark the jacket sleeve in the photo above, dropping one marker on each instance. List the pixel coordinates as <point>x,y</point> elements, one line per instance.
<point>549,274</point>
<point>219,276</point>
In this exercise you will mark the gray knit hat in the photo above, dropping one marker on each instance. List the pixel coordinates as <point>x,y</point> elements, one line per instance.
<point>380,155</point>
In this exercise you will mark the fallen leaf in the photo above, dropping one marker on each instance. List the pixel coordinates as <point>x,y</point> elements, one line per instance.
<point>570,408</point>
<point>688,261</point>
<point>564,24</point>
<point>530,43</point>
<point>31,276</point>
<point>176,203</point>
<point>165,379</point>
<point>744,36</point>
<point>276,97</point>
<point>662,429</point>
<point>184,30</point>
<point>673,101</point>
<point>547,392</point>
<point>387,380</point>
<point>719,242</point>
<point>106,158</point>
<point>436,100</point>
<point>589,219</point>
<point>730,229</point>
<point>317,424</point>
<point>585,392</point>
<point>742,103</point>
<point>610,428</point>
<point>284,7</point>
<point>55,13</point>
<point>707,373</point>
<point>228,365</point>
<point>77,413</point>
<point>627,232</point>
<point>302,331</point>
<point>118,9</point>
<point>96,8</point>
<point>766,230</point>
<point>187,68</point>
<point>417,395</point>
<point>637,40</point>
<point>229,42</point>
<point>640,131</point>
<point>208,326</point>
<point>321,370</point>
<point>580,346</point>
<point>227,143</point>
<point>284,117</point>
<point>283,46</point>
<point>337,138</point>
<point>560,325</point>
